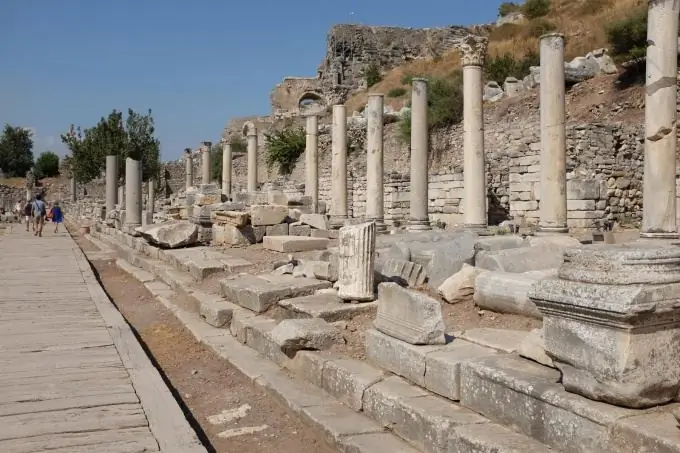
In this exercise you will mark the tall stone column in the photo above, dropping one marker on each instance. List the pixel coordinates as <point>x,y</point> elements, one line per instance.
<point>111,182</point>
<point>252,159</point>
<point>189,168</point>
<point>474,166</point>
<point>375,191</point>
<point>206,163</point>
<point>226,167</point>
<point>553,204</point>
<point>133,193</point>
<point>74,194</point>
<point>419,153</point>
<point>121,197</point>
<point>339,165</point>
<point>356,261</point>
<point>312,161</point>
<point>152,196</point>
<point>658,210</point>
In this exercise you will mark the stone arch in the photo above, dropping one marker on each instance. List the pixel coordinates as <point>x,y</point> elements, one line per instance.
<point>311,102</point>
<point>247,127</point>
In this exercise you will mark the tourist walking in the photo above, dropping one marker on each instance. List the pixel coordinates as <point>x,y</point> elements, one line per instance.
<point>57,216</point>
<point>28,214</point>
<point>39,213</point>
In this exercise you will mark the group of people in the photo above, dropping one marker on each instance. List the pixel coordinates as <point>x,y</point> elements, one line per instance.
<point>36,212</point>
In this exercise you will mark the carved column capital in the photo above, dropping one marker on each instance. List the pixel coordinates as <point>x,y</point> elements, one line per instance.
<point>473,50</point>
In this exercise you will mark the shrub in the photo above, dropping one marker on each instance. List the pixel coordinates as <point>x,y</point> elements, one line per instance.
<point>507,8</point>
<point>539,27</point>
<point>500,68</point>
<point>628,37</point>
<point>444,105</point>
<point>536,8</point>
<point>372,74</point>
<point>284,147</point>
<point>47,165</point>
<point>396,92</point>
<point>406,79</point>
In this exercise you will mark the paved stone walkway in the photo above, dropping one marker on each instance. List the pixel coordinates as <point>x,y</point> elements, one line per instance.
<point>73,377</point>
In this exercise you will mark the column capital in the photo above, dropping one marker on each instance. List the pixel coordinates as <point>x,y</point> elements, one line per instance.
<point>206,144</point>
<point>473,50</point>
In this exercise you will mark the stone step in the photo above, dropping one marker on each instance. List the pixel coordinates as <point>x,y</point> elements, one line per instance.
<point>259,292</point>
<point>325,306</point>
<point>201,262</point>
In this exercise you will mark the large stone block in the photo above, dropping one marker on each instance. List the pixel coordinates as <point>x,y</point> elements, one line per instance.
<point>263,215</point>
<point>318,221</point>
<point>578,189</point>
<point>523,259</point>
<point>293,335</point>
<point>506,292</point>
<point>259,293</point>
<point>348,379</point>
<point>228,234</point>
<point>290,244</point>
<point>171,234</point>
<point>611,322</point>
<point>460,286</point>
<point>409,316</point>
<point>405,273</point>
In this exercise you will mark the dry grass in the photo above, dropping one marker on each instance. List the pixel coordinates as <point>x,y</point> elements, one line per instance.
<point>583,22</point>
<point>13,182</point>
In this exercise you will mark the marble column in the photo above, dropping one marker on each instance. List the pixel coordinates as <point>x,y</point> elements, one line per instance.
<point>226,167</point>
<point>152,196</point>
<point>111,182</point>
<point>339,165</point>
<point>356,262</point>
<point>252,159</point>
<point>121,197</point>
<point>133,192</point>
<point>474,166</point>
<point>74,194</point>
<point>659,202</point>
<point>312,161</point>
<point>553,204</point>
<point>419,153</point>
<point>189,168</point>
<point>206,163</point>
<point>375,191</point>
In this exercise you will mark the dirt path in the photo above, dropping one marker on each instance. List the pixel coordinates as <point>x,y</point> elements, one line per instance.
<point>228,411</point>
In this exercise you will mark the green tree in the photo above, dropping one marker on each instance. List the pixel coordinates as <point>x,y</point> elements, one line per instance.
<point>372,74</point>
<point>284,147</point>
<point>504,66</point>
<point>141,143</point>
<point>536,8</point>
<point>628,37</point>
<point>47,165</point>
<point>16,151</point>
<point>507,8</point>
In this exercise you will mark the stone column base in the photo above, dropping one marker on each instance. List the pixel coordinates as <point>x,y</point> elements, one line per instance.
<point>380,226</point>
<point>481,230</point>
<point>663,235</point>
<point>551,231</point>
<point>419,225</point>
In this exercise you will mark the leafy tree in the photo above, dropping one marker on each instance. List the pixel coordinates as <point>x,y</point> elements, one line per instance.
<point>47,165</point>
<point>372,74</point>
<point>16,151</point>
<point>536,8</point>
<point>141,144</point>
<point>284,147</point>
<point>507,8</point>
<point>628,37</point>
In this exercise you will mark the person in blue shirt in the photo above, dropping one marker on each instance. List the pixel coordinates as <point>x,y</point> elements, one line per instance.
<point>39,213</point>
<point>57,216</point>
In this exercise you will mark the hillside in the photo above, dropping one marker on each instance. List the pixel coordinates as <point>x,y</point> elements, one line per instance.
<point>583,22</point>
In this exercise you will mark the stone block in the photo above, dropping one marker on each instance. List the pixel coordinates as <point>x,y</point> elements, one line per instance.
<point>425,421</point>
<point>578,189</point>
<point>264,215</point>
<point>373,443</point>
<point>460,286</point>
<point>320,233</point>
<point>227,234</point>
<point>289,244</point>
<point>356,262</point>
<point>506,292</point>
<point>293,335</point>
<point>348,379</point>
<point>492,243</point>
<point>448,257</point>
<point>318,221</point>
<point>216,312</point>
<point>325,306</point>
<point>533,348</point>
<point>258,233</point>
<point>298,229</point>
<point>523,259</point>
<point>409,316</point>
<point>581,205</point>
<point>336,422</point>
<point>493,438</point>
<point>170,235</point>
<point>236,218</point>
<point>309,365</point>
<point>505,340</point>
<point>402,272</point>
<point>656,432</point>
<point>277,230</point>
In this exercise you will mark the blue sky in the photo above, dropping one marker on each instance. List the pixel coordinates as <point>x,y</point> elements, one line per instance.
<point>195,64</point>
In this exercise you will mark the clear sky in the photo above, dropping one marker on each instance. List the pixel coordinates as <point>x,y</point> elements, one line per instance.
<point>195,64</point>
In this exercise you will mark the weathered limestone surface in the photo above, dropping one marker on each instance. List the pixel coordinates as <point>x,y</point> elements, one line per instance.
<point>189,169</point>
<point>267,214</point>
<point>289,244</point>
<point>356,262</point>
<point>171,234</point>
<point>460,286</point>
<point>206,164</point>
<point>311,334</point>
<point>409,316</point>
<point>533,347</point>
<point>312,161</point>
<point>111,182</point>
<point>252,158</point>
<point>402,272</point>
<point>133,192</point>
<point>507,292</point>
<point>226,168</point>
<point>419,154</point>
<point>375,192</point>
<point>326,306</point>
<point>339,164</point>
<point>540,257</point>
<point>610,323</point>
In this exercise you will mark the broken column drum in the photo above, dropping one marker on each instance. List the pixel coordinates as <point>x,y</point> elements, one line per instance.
<point>226,167</point>
<point>659,207</point>
<point>375,196</point>
<point>611,322</point>
<point>252,159</point>
<point>111,182</point>
<point>133,192</point>
<point>553,203</point>
<point>312,161</point>
<point>419,218</point>
<point>189,168</point>
<point>206,163</point>
<point>339,165</point>
<point>152,197</point>
<point>356,260</point>
<point>473,51</point>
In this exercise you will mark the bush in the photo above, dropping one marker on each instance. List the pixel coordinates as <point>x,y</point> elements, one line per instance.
<point>628,37</point>
<point>396,92</point>
<point>444,105</point>
<point>372,74</point>
<point>47,165</point>
<point>500,68</point>
<point>406,79</point>
<point>536,8</point>
<point>507,8</point>
<point>539,27</point>
<point>284,147</point>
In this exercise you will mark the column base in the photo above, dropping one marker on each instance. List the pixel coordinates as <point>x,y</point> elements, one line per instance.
<point>337,221</point>
<point>419,225</point>
<point>660,235</point>
<point>380,226</point>
<point>550,231</point>
<point>480,229</point>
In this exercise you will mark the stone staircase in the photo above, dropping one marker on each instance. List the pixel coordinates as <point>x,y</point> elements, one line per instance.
<point>473,394</point>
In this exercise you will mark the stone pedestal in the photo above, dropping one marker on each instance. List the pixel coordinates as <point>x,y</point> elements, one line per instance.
<point>111,182</point>
<point>356,261</point>
<point>252,159</point>
<point>375,192</point>
<point>611,322</point>
<point>74,193</point>
<point>133,193</point>
<point>206,164</point>
<point>474,168</point>
<point>226,168</point>
<point>312,161</point>
<point>419,218</point>
<point>553,204</point>
<point>188,169</point>
<point>339,166</point>
<point>658,210</point>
